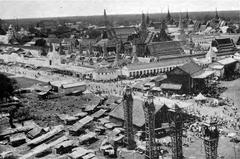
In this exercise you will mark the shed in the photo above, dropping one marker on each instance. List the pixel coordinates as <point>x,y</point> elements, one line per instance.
<point>36,131</point>
<point>17,139</point>
<point>89,156</point>
<point>79,152</point>
<point>86,137</point>
<point>99,113</point>
<point>80,124</point>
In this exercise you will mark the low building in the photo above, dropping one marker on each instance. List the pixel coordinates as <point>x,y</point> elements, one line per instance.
<point>68,86</point>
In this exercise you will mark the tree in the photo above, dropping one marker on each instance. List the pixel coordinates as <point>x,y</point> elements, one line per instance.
<point>8,86</point>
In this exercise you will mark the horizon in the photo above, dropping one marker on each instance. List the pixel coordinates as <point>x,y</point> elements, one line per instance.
<point>219,11</point>
<point>16,9</point>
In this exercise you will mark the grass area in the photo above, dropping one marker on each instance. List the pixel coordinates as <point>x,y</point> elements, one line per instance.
<point>27,82</point>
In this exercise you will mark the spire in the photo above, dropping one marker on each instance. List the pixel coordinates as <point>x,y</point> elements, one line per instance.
<point>105,18</point>
<point>148,20</point>
<point>168,15</point>
<point>180,24</point>
<point>143,24</point>
<point>187,16</point>
<point>216,16</point>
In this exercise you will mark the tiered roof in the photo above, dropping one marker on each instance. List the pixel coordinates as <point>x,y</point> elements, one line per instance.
<point>224,46</point>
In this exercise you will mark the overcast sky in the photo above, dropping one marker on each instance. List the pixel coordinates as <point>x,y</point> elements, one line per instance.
<point>58,8</point>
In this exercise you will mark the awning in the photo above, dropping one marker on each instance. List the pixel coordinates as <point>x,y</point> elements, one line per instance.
<point>216,67</point>
<point>227,61</point>
<point>171,86</point>
<point>149,84</point>
<point>203,75</point>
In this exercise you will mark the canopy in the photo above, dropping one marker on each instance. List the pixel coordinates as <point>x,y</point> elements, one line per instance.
<point>203,74</point>
<point>171,86</point>
<point>200,97</point>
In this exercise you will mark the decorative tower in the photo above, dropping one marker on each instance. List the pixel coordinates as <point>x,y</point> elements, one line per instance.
<point>210,139</point>
<point>176,125</point>
<point>149,112</point>
<point>128,124</point>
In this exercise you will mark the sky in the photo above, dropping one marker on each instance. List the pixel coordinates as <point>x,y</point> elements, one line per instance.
<point>11,9</point>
